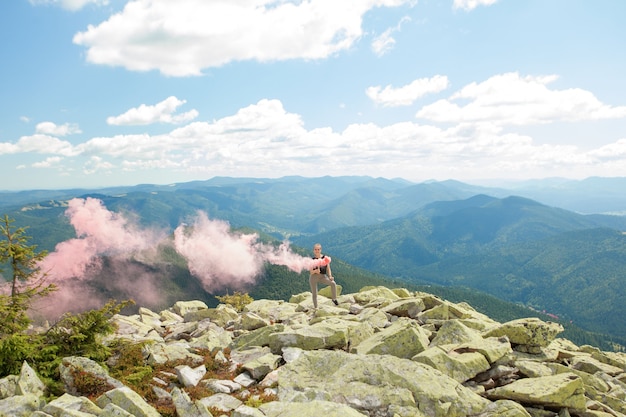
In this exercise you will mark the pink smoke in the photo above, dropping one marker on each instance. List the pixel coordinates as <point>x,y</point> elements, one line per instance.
<point>99,232</point>
<point>223,259</point>
<point>74,266</point>
<point>112,255</point>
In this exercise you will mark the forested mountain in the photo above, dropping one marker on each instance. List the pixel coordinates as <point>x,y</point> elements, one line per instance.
<point>292,206</point>
<point>450,234</point>
<point>516,249</point>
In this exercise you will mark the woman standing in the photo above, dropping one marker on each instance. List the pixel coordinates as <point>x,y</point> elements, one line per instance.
<point>321,274</point>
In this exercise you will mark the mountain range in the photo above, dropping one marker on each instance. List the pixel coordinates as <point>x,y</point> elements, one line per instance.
<point>549,245</point>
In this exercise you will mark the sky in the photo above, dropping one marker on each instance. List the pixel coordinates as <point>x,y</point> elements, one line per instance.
<point>97,93</point>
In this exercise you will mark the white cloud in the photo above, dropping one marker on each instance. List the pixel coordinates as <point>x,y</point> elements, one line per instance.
<point>49,128</point>
<point>72,5</point>
<point>510,99</point>
<point>162,112</point>
<point>406,95</point>
<point>97,164</point>
<point>38,143</point>
<point>181,38</point>
<point>385,41</point>
<point>264,139</point>
<point>49,162</point>
<point>471,4</point>
<point>616,150</point>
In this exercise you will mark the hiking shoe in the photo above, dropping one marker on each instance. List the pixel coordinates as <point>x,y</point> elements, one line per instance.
<point>335,302</point>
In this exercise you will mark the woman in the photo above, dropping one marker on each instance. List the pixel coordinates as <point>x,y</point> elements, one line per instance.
<point>321,274</point>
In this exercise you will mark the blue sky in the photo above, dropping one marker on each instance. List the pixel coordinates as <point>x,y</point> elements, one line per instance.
<point>97,93</point>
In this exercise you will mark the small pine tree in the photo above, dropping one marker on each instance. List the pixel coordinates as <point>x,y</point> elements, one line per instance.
<point>27,281</point>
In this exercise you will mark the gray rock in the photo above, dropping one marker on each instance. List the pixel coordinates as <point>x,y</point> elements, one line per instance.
<point>187,408</point>
<point>73,365</point>
<point>529,331</point>
<point>181,308</point>
<point>222,402</point>
<point>29,383</point>
<point>563,390</point>
<point>188,376</point>
<point>20,405</point>
<point>373,383</point>
<point>314,408</point>
<point>129,401</point>
<point>67,403</point>
<point>464,363</point>
<point>404,339</point>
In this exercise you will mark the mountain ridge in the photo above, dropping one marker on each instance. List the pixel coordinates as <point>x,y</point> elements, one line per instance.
<point>350,215</point>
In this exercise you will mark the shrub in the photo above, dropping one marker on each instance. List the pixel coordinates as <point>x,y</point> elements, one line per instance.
<point>237,300</point>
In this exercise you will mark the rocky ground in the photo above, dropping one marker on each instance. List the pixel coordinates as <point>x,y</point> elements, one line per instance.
<point>379,353</point>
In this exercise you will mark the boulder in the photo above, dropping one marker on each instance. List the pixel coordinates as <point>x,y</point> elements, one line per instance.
<point>220,315</point>
<point>560,391</point>
<point>129,401</point>
<point>132,328</point>
<point>29,383</point>
<point>73,366</point>
<point>405,307</point>
<point>258,337</point>
<point>66,403</point>
<point>273,310</point>
<point>314,408</point>
<point>182,308</point>
<point>161,353</point>
<point>492,348</point>
<point>591,366</point>
<point>188,376</point>
<point>404,339</point>
<point>327,291</point>
<point>504,408</point>
<point>222,402</point>
<point>21,405</point>
<point>332,333</point>
<point>459,366</point>
<point>252,321</point>
<point>263,365</point>
<point>528,331</point>
<point>455,332</point>
<point>185,407</point>
<point>376,296</point>
<point>373,384</point>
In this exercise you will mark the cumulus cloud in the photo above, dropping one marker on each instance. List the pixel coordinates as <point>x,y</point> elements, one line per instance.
<point>72,5</point>
<point>48,162</point>
<point>162,112</point>
<point>38,143</point>
<point>468,5</point>
<point>511,99</point>
<point>612,151</point>
<point>406,95</point>
<point>472,134</point>
<point>184,37</point>
<point>49,128</point>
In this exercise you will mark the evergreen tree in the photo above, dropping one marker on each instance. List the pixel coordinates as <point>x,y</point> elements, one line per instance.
<point>25,280</point>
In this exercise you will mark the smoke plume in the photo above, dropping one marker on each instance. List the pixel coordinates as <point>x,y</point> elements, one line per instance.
<point>113,255</point>
<point>221,258</point>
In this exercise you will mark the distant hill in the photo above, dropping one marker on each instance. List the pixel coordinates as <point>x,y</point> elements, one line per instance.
<point>516,249</point>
